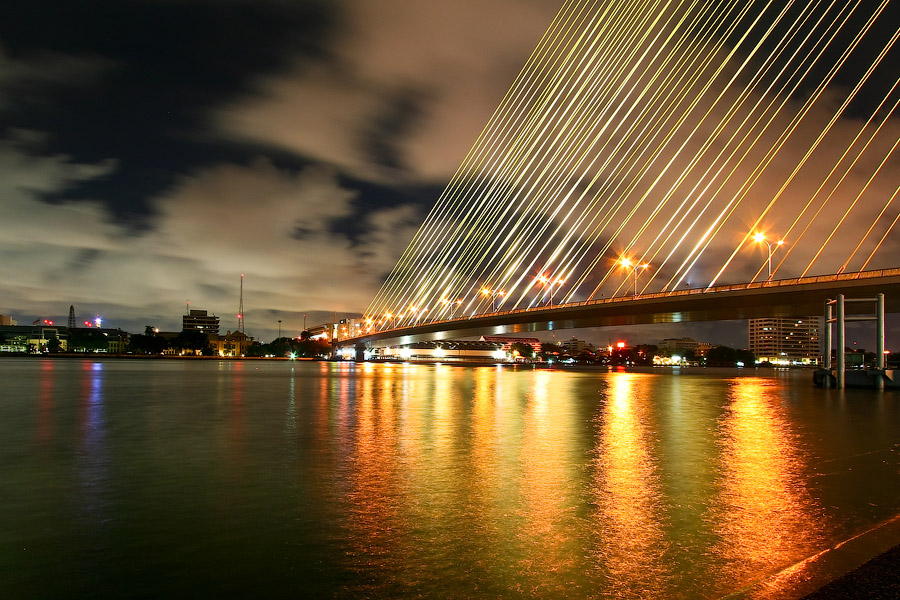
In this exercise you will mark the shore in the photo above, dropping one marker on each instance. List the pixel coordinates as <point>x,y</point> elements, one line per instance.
<point>878,579</point>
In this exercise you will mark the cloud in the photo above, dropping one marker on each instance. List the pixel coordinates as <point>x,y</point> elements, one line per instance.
<point>402,91</point>
<point>213,226</point>
<point>27,79</point>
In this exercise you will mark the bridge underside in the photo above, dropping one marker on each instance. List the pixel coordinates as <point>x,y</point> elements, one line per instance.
<point>784,298</point>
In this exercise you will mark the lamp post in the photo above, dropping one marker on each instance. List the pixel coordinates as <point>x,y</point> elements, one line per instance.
<point>493,295</point>
<point>550,282</point>
<point>626,262</point>
<point>762,238</point>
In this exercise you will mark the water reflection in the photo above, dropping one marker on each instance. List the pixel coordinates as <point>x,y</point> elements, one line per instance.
<point>326,480</point>
<point>372,507</point>
<point>549,487</point>
<point>93,461</point>
<point>629,523</point>
<point>765,515</point>
<point>46,384</point>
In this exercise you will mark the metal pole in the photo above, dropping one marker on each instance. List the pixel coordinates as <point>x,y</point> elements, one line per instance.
<point>879,341</point>
<point>841,356</point>
<point>827,351</point>
<point>769,246</point>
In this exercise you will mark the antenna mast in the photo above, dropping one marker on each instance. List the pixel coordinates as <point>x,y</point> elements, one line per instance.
<point>241,307</point>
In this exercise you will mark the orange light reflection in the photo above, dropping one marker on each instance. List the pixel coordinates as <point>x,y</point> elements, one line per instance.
<point>767,518</point>
<point>629,523</point>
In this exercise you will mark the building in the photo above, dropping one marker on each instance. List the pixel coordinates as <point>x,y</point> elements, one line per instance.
<point>201,321</point>
<point>233,343</point>
<point>574,345</point>
<point>31,339</point>
<point>785,341</point>
<point>7,320</point>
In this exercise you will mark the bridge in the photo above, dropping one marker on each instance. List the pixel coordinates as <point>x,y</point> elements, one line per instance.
<point>668,162</point>
<point>781,298</point>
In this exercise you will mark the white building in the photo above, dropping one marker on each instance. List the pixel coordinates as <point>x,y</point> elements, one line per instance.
<point>785,341</point>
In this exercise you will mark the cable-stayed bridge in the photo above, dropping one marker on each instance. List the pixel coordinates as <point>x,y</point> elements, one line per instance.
<point>665,160</point>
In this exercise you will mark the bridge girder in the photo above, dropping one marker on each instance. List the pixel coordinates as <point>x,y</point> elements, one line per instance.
<point>801,297</point>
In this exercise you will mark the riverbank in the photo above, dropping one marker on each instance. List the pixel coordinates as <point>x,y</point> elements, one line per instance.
<point>878,579</point>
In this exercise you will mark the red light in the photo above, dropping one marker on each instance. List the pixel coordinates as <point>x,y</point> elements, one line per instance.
<point>620,345</point>
<point>87,323</point>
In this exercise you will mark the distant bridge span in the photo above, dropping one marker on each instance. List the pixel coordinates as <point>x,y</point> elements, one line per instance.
<point>799,297</point>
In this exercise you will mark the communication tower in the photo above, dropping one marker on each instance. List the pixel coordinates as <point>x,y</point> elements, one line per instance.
<point>241,307</point>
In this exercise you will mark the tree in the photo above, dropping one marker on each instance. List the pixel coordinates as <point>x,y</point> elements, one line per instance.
<point>86,340</point>
<point>149,342</point>
<point>643,354</point>
<point>586,357</point>
<point>550,351</point>
<point>54,345</point>
<point>723,356</point>
<point>524,350</point>
<point>192,341</point>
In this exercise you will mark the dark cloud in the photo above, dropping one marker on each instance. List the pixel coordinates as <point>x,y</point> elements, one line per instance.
<point>133,81</point>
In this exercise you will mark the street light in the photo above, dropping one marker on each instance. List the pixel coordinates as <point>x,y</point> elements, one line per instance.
<point>456,305</point>
<point>493,296</point>
<point>759,237</point>
<point>626,262</point>
<point>550,282</point>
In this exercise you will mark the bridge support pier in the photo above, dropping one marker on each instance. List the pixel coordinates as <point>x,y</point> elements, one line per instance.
<point>835,313</point>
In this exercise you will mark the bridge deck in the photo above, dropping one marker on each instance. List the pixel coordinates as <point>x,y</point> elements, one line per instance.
<point>798,297</point>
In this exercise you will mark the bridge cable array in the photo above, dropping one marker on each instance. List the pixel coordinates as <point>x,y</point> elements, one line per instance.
<point>664,135</point>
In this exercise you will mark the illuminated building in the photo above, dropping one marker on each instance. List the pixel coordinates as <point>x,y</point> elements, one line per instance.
<point>233,343</point>
<point>785,341</point>
<point>574,345</point>
<point>201,321</point>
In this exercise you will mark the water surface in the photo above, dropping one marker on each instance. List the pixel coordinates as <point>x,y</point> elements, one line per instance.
<point>153,478</point>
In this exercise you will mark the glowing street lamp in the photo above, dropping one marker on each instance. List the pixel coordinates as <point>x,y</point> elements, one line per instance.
<point>626,262</point>
<point>759,237</point>
<point>455,306</point>
<point>548,281</point>
<point>493,295</point>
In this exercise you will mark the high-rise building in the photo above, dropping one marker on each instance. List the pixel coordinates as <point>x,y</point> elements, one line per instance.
<point>785,341</point>
<point>201,321</point>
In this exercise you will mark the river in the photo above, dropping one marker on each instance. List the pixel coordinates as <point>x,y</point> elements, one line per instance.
<point>160,478</point>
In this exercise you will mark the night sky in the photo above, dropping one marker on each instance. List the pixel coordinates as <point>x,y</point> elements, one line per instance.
<point>153,151</point>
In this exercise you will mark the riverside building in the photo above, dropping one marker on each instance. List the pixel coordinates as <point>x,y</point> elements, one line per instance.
<point>785,341</point>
